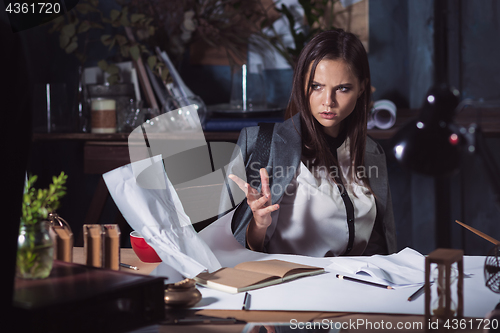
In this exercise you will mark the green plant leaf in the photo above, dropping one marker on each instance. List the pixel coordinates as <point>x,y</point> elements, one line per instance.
<point>113,69</point>
<point>103,64</point>
<point>164,74</point>
<point>68,30</point>
<point>112,44</point>
<point>106,39</point>
<point>113,79</point>
<point>71,47</point>
<point>125,50</point>
<point>96,25</point>
<point>135,52</point>
<point>57,24</point>
<point>84,27</point>
<point>38,202</point>
<point>151,62</point>
<point>114,14</point>
<point>85,8</point>
<point>63,41</point>
<point>122,40</point>
<point>136,17</point>
<point>124,17</point>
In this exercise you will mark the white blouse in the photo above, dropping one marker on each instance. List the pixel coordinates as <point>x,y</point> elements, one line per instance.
<point>312,218</point>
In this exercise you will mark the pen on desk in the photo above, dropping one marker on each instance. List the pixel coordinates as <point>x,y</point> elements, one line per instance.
<point>417,293</point>
<point>191,321</point>
<point>246,302</point>
<point>342,277</point>
<point>129,266</point>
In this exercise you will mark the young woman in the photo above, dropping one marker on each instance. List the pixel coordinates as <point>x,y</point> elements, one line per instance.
<point>329,194</point>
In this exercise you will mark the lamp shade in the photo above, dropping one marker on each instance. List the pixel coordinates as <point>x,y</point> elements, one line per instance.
<point>431,144</point>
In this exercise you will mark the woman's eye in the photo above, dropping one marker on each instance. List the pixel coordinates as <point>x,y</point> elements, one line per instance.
<point>343,89</point>
<point>315,86</point>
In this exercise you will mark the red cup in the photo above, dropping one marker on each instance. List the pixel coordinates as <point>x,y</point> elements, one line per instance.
<point>143,250</point>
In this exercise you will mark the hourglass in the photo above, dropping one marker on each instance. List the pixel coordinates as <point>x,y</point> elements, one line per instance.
<point>449,270</point>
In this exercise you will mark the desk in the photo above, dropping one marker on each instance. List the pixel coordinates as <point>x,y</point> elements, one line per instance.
<point>128,256</point>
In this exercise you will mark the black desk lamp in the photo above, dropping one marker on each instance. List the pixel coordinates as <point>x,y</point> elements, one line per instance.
<point>432,145</point>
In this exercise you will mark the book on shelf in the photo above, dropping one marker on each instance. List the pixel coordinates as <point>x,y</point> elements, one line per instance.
<point>254,275</point>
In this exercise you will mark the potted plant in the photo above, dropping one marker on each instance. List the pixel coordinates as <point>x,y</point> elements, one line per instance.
<point>35,246</point>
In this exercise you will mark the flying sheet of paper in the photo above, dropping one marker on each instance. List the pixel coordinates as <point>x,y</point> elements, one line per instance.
<point>157,214</point>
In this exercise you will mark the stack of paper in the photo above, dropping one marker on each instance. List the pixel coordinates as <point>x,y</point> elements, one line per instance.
<point>403,269</point>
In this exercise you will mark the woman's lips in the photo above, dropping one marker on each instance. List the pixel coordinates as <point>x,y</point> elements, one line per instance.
<point>328,115</point>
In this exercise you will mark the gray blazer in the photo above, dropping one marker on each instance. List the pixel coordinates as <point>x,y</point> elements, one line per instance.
<point>286,148</point>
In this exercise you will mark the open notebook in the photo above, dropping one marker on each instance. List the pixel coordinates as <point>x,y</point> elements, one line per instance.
<point>255,274</point>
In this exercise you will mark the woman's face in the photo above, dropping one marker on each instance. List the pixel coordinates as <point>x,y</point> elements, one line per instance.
<point>334,92</point>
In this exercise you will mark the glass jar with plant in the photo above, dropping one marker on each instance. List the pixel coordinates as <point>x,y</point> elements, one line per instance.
<point>35,246</point>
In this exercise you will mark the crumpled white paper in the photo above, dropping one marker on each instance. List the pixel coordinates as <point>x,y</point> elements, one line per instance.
<point>403,269</point>
<point>158,215</point>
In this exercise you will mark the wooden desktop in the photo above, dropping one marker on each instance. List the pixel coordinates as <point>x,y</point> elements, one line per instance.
<point>76,298</point>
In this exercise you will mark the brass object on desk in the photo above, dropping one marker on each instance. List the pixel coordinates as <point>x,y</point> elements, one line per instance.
<point>101,245</point>
<point>63,238</point>
<point>182,294</point>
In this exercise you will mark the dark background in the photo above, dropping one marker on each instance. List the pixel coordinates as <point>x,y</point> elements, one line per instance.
<point>402,55</point>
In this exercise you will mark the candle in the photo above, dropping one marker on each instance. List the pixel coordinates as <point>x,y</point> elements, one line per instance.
<point>103,115</point>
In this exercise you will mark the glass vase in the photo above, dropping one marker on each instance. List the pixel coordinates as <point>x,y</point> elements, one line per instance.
<point>174,103</point>
<point>34,251</point>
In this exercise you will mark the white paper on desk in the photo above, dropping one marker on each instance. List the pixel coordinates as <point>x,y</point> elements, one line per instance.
<point>157,214</point>
<point>403,269</point>
<point>324,292</point>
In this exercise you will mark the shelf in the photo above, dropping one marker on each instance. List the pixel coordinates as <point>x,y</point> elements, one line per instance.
<point>487,118</point>
<point>122,137</point>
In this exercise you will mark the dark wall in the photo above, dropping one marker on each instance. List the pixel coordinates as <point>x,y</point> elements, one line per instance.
<point>474,70</point>
<point>404,66</point>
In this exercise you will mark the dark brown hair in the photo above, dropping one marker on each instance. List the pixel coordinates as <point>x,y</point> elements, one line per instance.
<point>332,45</point>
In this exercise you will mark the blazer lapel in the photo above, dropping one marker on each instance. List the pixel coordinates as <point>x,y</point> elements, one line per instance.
<point>376,170</point>
<point>285,155</point>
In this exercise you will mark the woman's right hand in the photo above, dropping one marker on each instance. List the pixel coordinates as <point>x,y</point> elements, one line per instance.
<point>260,204</point>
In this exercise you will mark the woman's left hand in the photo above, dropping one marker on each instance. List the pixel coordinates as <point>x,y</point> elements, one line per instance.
<point>261,205</point>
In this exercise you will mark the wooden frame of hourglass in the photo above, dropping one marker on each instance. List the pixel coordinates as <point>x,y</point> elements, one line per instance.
<point>444,258</point>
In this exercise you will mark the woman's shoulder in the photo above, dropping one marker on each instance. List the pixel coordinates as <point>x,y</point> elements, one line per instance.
<point>251,132</point>
<point>373,147</point>
<point>285,132</point>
